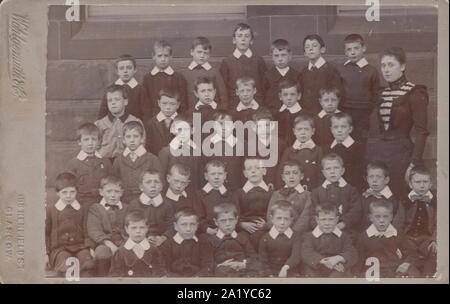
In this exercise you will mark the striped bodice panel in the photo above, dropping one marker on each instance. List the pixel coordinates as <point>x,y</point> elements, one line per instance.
<point>389,96</point>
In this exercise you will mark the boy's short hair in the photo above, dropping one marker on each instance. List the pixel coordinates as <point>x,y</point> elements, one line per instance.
<point>354,38</point>
<point>396,52</point>
<point>242,27</point>
<point>224,208</point>
<point>375,203</point>
<point>150,172</point>
<point>326,207</point>
<point>332,156</point>
<point>88,129</point>
<point>287,84</point>
<point>262,113</point>
<point>125,57</point>
<point>215,163</point>
<point>181,168</point>
<point>342,115</point>
<point>291,163</point>
<point>170,93</point>
<point>419,170</point>
<point>328,90</point>
<point>64,180</point>
<point>183,117</point>
<point>185,211</point>
<point>256,158</point>
<point>280,44</point>
<point>204,79</point>
<point>282,205</point>
<point>203,41</point>
<point>245,81</point>
<point>135,215</point>
<point>378,165</point>
<point>161,44</point>
<point>314,37</point>
<point>133,125</point>
<point>117,88</point>
<point>305,117</point>
<point>221,114</point>
<point>111,179</point>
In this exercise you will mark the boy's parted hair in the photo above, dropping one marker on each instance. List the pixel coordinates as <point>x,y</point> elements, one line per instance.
<point>181,168</point>
<point>111,179</point>
<point>304,117</point>
<point>221,114</point>
<point>354,38</point>
<point>287,84</point>
<point>135,215</point>
<point>183,212</point>
<point>151,172</point>
<point>133,125</point>
<point>215,163</point>
<point>419,170</point>
<point>290,163</point>
<point>161,44</point>
<point>117,88</point>
<point>203,41</point>
<point>169,92</point>
<point>375,203</point>
<point>243,27</point>
<point>206,80</point>
<point>326,207</point>
<point>125,57</point>
<point>224,208</point>
<point>88,129</point>
<point>342,115</point>
<point>378,165</point>
<point>328,90</point>
<point>245,80</point>
<point>332,156</point>
<point>396,52</point>
<point>262,113</point>
<point>282,205</point>
<point>314,37</point>
<point>64,180</point>
<point>280,44</point>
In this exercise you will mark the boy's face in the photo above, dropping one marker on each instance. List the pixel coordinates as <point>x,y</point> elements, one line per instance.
<point>67,195</point>
<point>221,124</point>
<point>329,102</point>
<point>242,39</point>
<point>151,185</point>
<point>332,170</point>
<point>215,176</point>
<point>340,128</point>
<point>281,219</point>
<point>88,143</point>
<point>289,96</point>
<point>381,217</point>
<point>303,131</point>
<point>168,105</point>
<point>133,139</point>
<point>137,231</point>
<point>376,179</point>
<point>245,92</point>
<point>226,222</point>
<point>111,193</point>
<point>327,221</point>
<point>420,183</point>
<point>391,68</point>
<point>182,130</point>
<point>253,171</point>
<point>186,226</point>
<point>313,50</point>
<point>116,103</point>
<point>205,93</point>
<point>177,182</point>
<point>162,57</point>
<point>291,176</point>
<point>125,70</point>
<point>200,55</point>
<point>281,58</point>
<point>354,51</point>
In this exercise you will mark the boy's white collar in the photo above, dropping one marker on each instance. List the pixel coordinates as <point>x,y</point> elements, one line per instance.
<point>294,109</point>
<point>237,54</point>
<point>169,71</point>
<point>179,239</point>
<point>221,235</point>
<point>386,192</point>
<point>348,141</point>
<point>342,183</point>
<point>284,71</point>
<point>173,196</point>
<point>309,144</point>
<point>83,155</point>
<point>146,200</point>
<point>253,105</point>
<point>207,188</point>
<point>429,194</point>
<point>317,232</point>
<point>299,188</point>
<point>249,186</point>
<point>274,232</point>
<point>361,62</point>
<point>60,205</point>
<point>319,63</point>
<point>323,113</point>
<point>103,203</point>
<point>212,104</point>
<point>132,83</point>
<point>138,248</point>
<point>390,231</point>
<point>161,117</point>
<point>139,151</point>
<point>194,64</point>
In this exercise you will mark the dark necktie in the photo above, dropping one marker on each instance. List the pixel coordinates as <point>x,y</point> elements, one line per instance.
<point>371,192</point>
<point>112,207</point>
<point>333,185</point>
<point>287,191</point>
<point>421,198</point>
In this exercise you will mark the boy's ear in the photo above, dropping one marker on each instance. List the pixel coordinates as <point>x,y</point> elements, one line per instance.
<point>316,218</point>
<point>351,129</point>
<point>125,101</point>
<point>364,49</point>
<point>323,50</point>
<point>215,222</point>
<point>313,131</point>
<point>264,171</point>
<point>205,174</point>
<point>388,179</point>
<point>195,93</point>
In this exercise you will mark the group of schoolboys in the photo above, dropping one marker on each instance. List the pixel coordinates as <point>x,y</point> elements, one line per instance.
<point>130,206</point>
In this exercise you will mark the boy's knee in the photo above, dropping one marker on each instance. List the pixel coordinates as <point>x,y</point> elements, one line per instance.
<point>102,252</point>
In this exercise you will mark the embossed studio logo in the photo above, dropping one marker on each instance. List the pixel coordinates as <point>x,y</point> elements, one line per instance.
<point>373,12</point>
<point>73,12</point>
